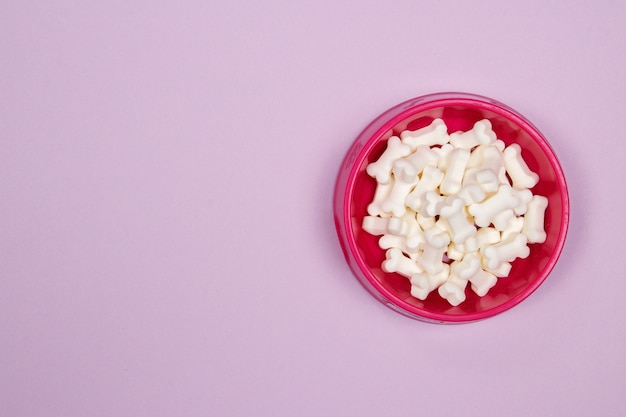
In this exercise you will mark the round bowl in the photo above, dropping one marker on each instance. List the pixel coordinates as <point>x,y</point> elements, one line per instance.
<point>354,190</point>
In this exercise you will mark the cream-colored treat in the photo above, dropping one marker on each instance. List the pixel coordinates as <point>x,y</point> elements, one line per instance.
<point>484,212</point>
<point>517,168</point>
<point>455,168</point>
<point>436,133</point>
<point>480,134</point>
<point>423,284</point>
<point>422,156</point>
<point>534,219</point>
<point>396,262</point>
<point>381,169</point>
<point>429,181</point>
<point>375,208</point>
<point>406,178</point>
<point>506,251</point>
<point>454,213</point>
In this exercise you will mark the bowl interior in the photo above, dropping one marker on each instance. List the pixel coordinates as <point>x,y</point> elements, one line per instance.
<point>526,274</point>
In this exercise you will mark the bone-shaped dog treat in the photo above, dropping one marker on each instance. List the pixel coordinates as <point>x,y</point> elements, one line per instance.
<point>453,289</point>
<point>442,155</point>
<point>431,259</point>
<point>422,157</point>
<point>487,236</point>
<point>434,202</point>
<point>397,226</point>
<point>415,235</point>
<point>405,179</point>
<point>503,270</point>
<point>534,220</point>
<point>524,196</point>
<point>504,198</point>
<point>381,169</point>
<point>482,281</point>
<point>454,213</point>
<point>493,160</point>
<point>470,245</point>
<point>487,180</point>
<point>425,221</point>
<point>507,251</point>
<point>501,220</point>
<point>435,133</point>
<point>455,168</point>
<point>516,224</point>
<point>396,262</point>
<point>375,208</point>
<point>423,284</point>
<point>519,172</point>
<point>375,225</point>
<point>398,242</point>
<point>472,193</point>
<point>454,252</point>
<point>480,134</point>
<point>430,180</point>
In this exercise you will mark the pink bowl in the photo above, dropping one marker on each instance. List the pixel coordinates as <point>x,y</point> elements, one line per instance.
<point>354,190</point>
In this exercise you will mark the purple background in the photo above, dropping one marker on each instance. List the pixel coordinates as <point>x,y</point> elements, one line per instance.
<point>166,237</point>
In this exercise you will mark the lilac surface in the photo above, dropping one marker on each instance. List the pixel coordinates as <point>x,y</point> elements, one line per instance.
<point>166,237</point>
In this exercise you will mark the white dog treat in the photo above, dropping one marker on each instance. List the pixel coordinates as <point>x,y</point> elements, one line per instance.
<point>422,156</point>
<point>434,202</point>
<point>503,270</point>
<point>494,160</point>
<point>430,180</point>
<point>425,221</point>
<point>487,236</point>
<point>516,224</point>
<point>381,169</point>
<point>501,220</point>
<point>487,180</point>
<point>506,251</point>
<point>472,193</point>
<point>455,168</point>
<point>395,242</point>
<point>405,179</point>
<point>519,172</point>
<point>455,252</point>
<point>397,226</point>
<point>534,219</point>
<point>431,259</point>
<point>435,133</point>
<point>396,262</point>
<point>415,236</point>
<point>476,157</point>
<point>375,208</point>
<point>484,212</point>
<point>470,245</point>
<point>423,284</point>
<point>375,225</point>
<point>482,281</point>
<point>524,196</point>
<point>454,213</point>
<point>480,134</point>
<point>453,289</point>
<point>442,155</point>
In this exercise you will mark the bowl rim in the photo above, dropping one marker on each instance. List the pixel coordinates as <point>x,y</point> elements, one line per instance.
<point>371,136</point>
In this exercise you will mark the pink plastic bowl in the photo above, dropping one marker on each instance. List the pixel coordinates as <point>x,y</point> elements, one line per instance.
<point>355,190</point>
